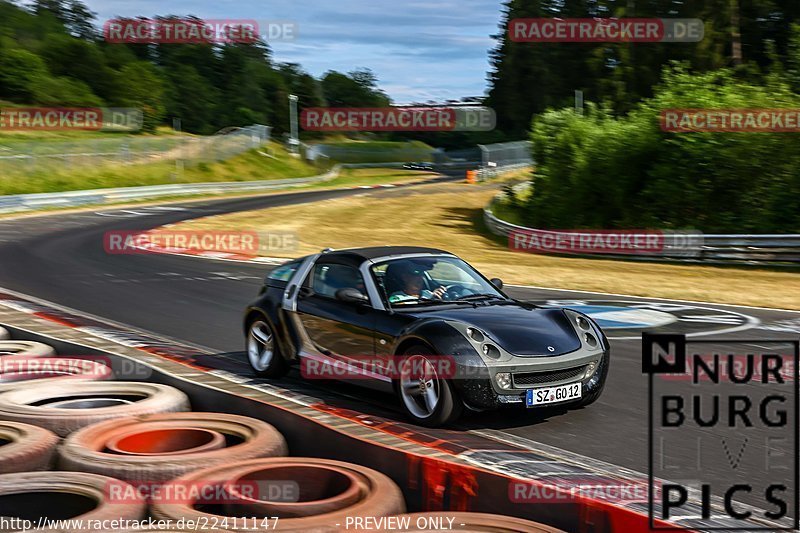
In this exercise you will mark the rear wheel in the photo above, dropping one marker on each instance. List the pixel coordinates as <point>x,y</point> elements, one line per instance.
<point>262,350</point>
<point>427,398</point>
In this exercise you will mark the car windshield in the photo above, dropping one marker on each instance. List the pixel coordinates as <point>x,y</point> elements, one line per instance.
<point>425,280</point>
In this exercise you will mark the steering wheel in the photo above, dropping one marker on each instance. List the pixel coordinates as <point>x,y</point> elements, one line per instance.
<point>453,291</point>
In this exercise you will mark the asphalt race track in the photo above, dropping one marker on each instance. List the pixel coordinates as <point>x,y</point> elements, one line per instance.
<point>60,258</point>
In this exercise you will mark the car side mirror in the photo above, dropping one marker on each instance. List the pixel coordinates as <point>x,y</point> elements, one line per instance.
<point>498,283</point>
<point>351,295</point>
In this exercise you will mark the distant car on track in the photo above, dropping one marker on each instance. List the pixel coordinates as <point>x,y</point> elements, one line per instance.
<point>425,325</point>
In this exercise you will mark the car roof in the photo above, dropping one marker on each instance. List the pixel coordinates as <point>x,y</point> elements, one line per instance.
<point>375,252</point>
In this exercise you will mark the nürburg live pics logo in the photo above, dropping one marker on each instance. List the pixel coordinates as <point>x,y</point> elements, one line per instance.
<point>723,433</point>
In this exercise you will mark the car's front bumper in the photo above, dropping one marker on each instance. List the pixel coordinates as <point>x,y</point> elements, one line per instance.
<point>483,392</point>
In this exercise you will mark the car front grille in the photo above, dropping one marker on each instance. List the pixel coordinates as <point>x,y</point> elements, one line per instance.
<point>551,376</point>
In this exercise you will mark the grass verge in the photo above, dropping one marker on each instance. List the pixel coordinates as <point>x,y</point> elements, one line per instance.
<point>248,166</point>
<point>346,178</point>
<point>375,151</point>
<point>449,216</point>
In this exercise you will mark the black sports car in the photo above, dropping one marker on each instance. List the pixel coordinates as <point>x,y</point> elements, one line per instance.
<point>424,324</point>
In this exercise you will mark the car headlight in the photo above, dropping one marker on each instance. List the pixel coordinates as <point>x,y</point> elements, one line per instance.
<point>588,331</point>
<point>590,339</point>
<point>503,380</point>
<point>590,368</point>
<point>490,350</point>
<point>475,334</point>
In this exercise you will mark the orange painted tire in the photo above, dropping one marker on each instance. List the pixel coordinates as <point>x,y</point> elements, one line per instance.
<point>28,448</point>
<point>68,495</point>
<point>323,492</point>
<point>66,407</point>
<point>456,521</point>
<point>157,448</point>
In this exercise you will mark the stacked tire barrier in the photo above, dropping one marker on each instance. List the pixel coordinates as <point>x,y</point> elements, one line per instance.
<point>162,447</point>
<point>327,492</point>
<point>79,448</point>
<point>24,348</point>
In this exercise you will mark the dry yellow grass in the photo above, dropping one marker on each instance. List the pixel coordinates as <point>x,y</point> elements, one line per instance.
<point>448,216</point>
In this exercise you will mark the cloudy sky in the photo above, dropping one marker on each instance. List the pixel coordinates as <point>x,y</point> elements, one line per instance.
<point>419,49</point>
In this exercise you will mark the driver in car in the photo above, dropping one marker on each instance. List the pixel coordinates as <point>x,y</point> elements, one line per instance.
<point>413,284</point>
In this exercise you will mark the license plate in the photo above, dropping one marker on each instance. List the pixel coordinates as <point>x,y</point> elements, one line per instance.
<point>562,393</point>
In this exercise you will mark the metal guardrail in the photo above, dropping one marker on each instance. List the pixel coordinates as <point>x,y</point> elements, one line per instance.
<point>721,249</point>
<point>28,202</point>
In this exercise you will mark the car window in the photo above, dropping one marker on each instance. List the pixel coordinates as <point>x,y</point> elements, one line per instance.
<point>445,272</point>
<point>328,278</point>
<point>419,280</point>
<point>284,272</point>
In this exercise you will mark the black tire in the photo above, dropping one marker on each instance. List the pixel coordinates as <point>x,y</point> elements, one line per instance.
<point>276,367</point>
<point>449,406</point>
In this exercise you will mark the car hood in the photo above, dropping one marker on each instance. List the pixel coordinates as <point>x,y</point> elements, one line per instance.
<point>518,329</point>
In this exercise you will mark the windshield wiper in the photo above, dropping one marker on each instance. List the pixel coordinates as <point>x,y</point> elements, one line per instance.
<point>478,297</point>
<point>429,301</point>
<point>433,300</point>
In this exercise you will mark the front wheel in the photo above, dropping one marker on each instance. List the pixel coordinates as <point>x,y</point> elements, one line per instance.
<point>427,398</point>
<point>262,350</point>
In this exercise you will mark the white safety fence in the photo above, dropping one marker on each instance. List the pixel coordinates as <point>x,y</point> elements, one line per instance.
<point>26,158</point>
<point>503,157</point>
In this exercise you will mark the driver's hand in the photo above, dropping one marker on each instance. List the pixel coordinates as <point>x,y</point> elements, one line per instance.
<point>439,292</point>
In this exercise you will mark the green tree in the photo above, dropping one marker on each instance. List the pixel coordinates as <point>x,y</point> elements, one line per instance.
<point>19,71</point>
<point>82,60</point>
<point>145,90</point>
<point>63,91</point>
<point>192,98</point>
<point>356,90</point>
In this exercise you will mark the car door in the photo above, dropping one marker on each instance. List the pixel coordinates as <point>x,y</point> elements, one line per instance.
<point>335,328</point>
